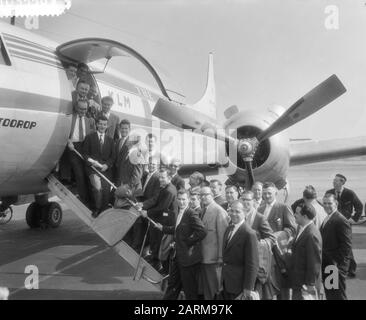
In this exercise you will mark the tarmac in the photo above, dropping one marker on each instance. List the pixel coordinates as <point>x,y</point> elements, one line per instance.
<point>74,263</point>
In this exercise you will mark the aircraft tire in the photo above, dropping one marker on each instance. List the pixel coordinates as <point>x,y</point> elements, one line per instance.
<point>33,215</point>
<point>54,212</point>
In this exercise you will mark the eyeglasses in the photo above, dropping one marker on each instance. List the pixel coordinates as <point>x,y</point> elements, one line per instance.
<point>205,194</point>
<point>244,199</point>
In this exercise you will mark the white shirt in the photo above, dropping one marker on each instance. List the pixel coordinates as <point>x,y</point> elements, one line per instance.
<point>100,136</point>
<point>149,175</point>
<point>75,135</point>
<point>236,227</point>
<point>107,114</point>
<point>302,228</point>
<point>180,215</point>
<point>268,209</point>
<point>320,216</point>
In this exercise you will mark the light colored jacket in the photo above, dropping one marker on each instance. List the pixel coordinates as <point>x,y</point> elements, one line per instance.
<point>215,221</point>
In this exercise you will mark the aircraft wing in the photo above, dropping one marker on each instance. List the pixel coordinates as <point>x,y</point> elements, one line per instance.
<point>325,150</point>
<point>208,169</point>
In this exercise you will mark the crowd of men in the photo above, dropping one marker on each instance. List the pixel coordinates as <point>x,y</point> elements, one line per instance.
<point>213,243</point>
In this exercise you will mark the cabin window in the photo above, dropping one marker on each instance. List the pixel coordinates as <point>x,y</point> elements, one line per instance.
<point>4,57</point>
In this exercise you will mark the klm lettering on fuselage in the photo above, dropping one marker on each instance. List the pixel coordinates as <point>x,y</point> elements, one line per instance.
<point>18,124</point>
<point>129,103</point>
<point>120,100</point>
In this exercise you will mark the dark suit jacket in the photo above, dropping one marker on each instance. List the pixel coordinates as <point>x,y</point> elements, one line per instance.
<point>89,125</point>
<point>262,228</point>
<point>178,182</point>
<point>164,201</point>
<point>337,242</point>
<point>225,205</point>
<point>188,236</point>
<point>220,200</point>
<point>349,202</point>
<point>280,218</point>
<point>106,155</point>
<point>240,260</point>
<point>127,172</point>
<point>152,187</point>
<point>305,262</point>
<point>113,122</point>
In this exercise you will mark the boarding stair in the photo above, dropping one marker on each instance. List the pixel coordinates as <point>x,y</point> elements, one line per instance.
<point>111,225</point>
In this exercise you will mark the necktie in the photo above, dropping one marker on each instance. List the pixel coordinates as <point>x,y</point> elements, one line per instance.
<point>101,142</point>
<point>121,143</point>
<point>81,131</point>
<point>203,212</point>
<point>338,195</point>
<point>230,229</point>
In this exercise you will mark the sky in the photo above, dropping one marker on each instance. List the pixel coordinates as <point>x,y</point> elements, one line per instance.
<point>265,52</point>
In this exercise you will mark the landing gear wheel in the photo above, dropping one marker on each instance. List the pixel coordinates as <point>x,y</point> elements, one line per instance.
<point>54,214</point>
<point>6,215</point>
<point>33,215</point>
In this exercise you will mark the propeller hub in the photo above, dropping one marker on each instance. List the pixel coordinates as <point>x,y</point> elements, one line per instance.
<point>247,148</point>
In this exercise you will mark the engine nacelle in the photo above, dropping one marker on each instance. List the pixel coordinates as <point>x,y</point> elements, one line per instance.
<point>272,158</point>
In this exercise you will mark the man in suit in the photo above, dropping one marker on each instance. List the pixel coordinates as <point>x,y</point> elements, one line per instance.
<point>337,247</point>
<point>309,197</point>
<point>158,209</point>
<point>99,151</point>
<point>150,190</point>
<point>81,126</point>
<point>71,74</point>
<point>80,93</point>
<point>257,189</point>
<point>350,206</point>
<point>215,220</point>
<point>256,220</point>
<point>150,180</point>
<point>177,180</point>
<point>188,231</point>
<point>266,239</point>
<point>126,169</point>
<point>231,195</point>
<point>216,187</point>
<point>282,222</point>
<point>305,262</point>
<point>240,256</point>
<point>113,120</point>
<point>195,200</point>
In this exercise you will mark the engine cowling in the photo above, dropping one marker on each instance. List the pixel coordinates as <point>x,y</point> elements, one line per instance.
<point>272,157</point>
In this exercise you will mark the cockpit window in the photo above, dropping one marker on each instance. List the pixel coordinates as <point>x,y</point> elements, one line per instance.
<point>4,57</point>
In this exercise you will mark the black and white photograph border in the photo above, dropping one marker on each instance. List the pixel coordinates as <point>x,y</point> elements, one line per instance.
<point>240,91</point>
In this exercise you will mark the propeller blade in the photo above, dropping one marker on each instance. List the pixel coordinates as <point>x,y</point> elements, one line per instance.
<point>186,118</point>
<point>320,96</point>
<point>249,168</point>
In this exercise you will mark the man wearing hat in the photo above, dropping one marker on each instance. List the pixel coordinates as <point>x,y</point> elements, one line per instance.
<point>348,202</point>
<point>305,269</point>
